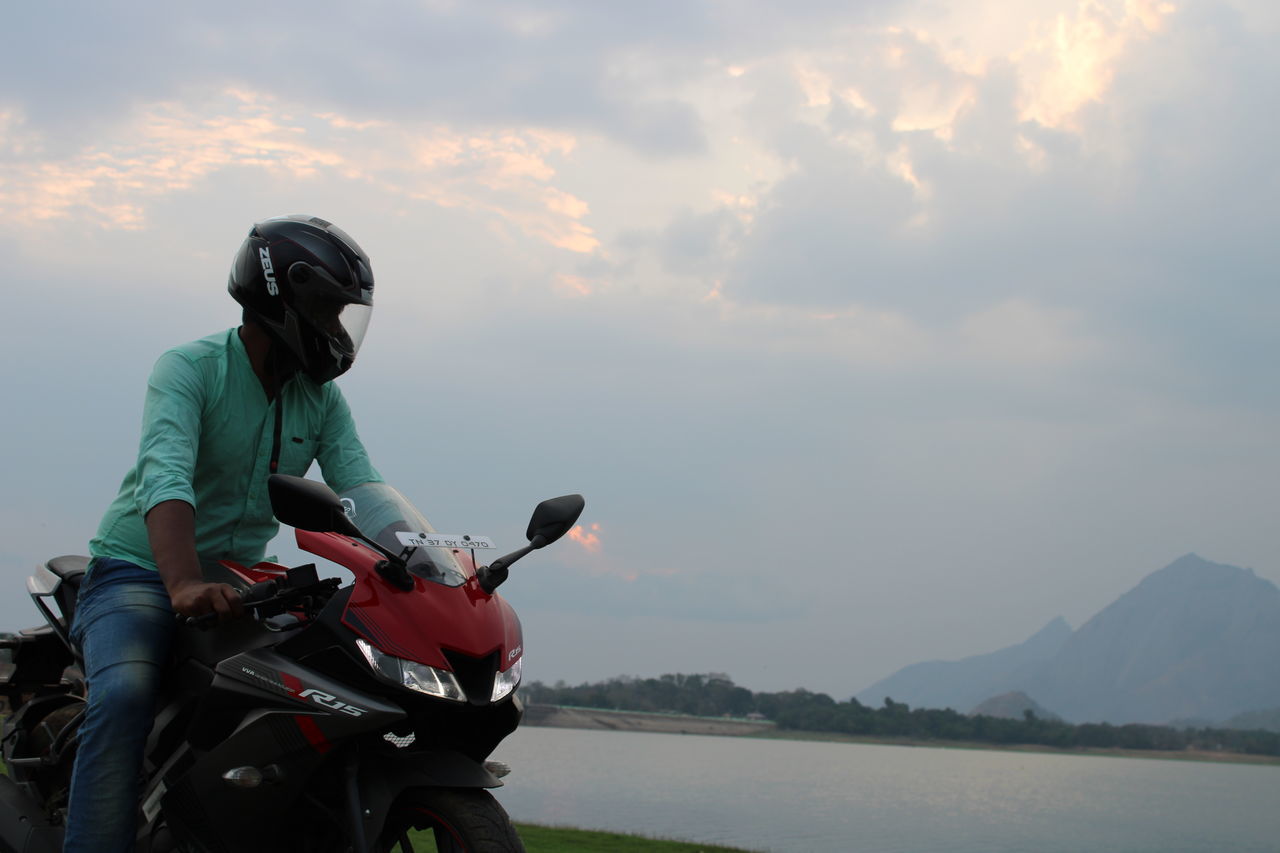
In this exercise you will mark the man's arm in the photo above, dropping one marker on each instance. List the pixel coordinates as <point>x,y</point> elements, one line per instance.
<point>171,529</point>
<point>342,457</point>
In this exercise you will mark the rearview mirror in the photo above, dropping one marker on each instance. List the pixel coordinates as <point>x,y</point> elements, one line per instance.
<point>308,505</point>
<point>554,518</point>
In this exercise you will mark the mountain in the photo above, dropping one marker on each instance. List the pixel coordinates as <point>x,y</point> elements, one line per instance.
<point>964,683</point>
<point>1194,640</point>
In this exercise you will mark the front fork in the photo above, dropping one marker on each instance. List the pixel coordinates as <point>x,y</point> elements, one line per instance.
<point>355,811</point>
<point>375,777</point>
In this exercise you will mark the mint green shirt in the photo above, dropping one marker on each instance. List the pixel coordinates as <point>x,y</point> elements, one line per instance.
<point>207,431</point>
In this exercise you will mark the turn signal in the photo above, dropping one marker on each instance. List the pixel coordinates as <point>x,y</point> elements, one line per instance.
<point>243,777</point>
<point>252,777</point>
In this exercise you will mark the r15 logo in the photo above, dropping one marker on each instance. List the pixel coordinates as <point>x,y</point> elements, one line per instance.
<point>328,700</point>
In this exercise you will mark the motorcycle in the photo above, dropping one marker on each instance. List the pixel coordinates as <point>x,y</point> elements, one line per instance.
<point>356,717</point>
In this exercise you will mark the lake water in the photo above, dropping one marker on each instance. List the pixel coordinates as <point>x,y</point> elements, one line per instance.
<point>778,795</point>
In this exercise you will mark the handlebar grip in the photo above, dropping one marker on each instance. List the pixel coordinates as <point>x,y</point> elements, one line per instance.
<point>259,592</point>
<point>255,594</point>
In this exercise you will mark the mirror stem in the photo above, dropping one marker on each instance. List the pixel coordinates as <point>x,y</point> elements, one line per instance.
<point>393,569</point>
<point>493,575</point>
<point>390,555</point>
<point>395,574</point>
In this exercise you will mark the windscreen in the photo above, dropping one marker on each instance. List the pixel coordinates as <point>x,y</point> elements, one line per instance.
<point>381,513</point>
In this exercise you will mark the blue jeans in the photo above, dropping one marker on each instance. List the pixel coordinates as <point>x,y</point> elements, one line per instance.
<point>124,625</point>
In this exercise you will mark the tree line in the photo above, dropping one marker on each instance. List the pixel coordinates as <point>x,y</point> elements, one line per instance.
<point>715,695</point>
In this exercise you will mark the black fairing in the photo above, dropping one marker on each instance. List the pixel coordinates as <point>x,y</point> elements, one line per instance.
<point>246,710</point>
<point>23,826</point>
<point>40,658</point>
<point>290,716</point>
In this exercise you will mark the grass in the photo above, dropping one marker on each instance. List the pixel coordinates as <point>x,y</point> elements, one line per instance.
<point>561,839</point>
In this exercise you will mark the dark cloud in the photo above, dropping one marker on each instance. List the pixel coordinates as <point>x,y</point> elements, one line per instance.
<point>830,235</point>
<point>73,69</point>
<point>691,244</point>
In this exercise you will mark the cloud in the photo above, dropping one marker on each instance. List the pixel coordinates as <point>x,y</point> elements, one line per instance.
<point>1072,61</point>
<point>685,597</point>
<point>590,558</point>
<point>589,539</point>
<point>568,65</point>
<point>1016,332</point>
<point>168,150</point>
<point>960,190</point>
<point>504,173</point>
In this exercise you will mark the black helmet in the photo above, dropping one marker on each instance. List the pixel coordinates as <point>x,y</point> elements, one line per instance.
<point>310,286</point>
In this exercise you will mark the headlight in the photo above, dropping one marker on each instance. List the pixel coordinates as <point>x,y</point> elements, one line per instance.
<point>505,682</point>
<point>414,675</point>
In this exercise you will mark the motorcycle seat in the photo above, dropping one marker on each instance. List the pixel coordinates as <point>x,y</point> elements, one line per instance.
<point>68,567</point>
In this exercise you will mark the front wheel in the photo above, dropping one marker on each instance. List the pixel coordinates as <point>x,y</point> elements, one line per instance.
<point>457,820</point>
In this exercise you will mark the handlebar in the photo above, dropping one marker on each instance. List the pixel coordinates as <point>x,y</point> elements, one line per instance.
<point>257,594</point>
<point>298,587</point>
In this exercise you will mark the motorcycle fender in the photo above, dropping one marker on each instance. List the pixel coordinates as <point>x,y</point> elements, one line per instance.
<point>19,724</point>
<point>23,828</point>
<point>381,782</point>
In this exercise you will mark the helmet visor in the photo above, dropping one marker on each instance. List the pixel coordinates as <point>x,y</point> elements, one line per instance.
<point>329,309</point>
<point>342,324</point>
<point>353,320</point>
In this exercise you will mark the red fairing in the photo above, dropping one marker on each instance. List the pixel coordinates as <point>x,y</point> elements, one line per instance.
<point>258,572</point>
<point>417,624</point>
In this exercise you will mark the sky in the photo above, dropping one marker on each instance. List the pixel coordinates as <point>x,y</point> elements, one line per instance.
<point>873,332</point>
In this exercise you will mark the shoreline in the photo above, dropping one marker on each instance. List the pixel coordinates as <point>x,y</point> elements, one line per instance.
<point>600,719</point>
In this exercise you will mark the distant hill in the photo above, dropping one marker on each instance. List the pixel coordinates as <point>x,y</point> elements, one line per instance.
<point>1012,706</point>
<point>964,683</point>
<point>1267,720</point>
<point>1194,640</point>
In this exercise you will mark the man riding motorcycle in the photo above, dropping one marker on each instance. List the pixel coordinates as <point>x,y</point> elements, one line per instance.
<point>221,415</point>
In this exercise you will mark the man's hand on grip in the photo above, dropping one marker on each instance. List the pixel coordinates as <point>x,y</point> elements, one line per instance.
<point>198,598</point>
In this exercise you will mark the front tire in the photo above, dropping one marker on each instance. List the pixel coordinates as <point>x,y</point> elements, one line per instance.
<point>461,820</point>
